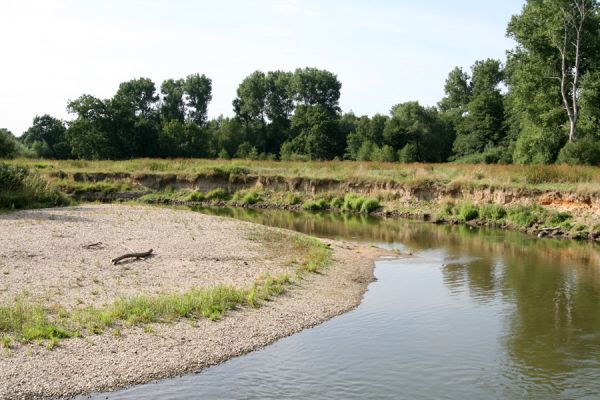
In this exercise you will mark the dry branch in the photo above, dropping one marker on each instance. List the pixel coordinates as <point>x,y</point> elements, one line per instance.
<point>138,256</point>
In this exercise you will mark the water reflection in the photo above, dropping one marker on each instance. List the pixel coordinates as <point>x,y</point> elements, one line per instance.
<point>551,336</point>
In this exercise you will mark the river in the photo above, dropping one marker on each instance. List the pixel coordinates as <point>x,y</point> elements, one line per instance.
<point>471,314</point>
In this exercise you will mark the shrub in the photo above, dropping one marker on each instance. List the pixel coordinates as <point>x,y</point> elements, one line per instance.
<point>293,199</point>
<point>218,194</point>
<point>468,212</point>
<point>317,205</point>
<point>584,151</point>
<point>352,202</point>
<point>21,189</point>
<point>492,212</point>
<point>337,202</point>
<point>526,216</point>
<point>559,218</point>
<point>247,198</point>
<point>197,196</point>
<point>369,206</point>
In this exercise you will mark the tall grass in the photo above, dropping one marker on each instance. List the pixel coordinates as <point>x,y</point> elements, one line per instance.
<point>556,176</point>
<point>20,188</point>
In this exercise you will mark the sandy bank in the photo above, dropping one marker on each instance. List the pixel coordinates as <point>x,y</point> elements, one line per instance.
<point>42,252</point>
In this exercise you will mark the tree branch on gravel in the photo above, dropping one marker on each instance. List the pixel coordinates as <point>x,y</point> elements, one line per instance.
<point>138,256</point>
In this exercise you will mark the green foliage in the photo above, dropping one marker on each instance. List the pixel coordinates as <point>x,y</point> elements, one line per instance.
<point>583,151</point>
<point>369,205</point>
<point>526,216</point>
<point>353,202</point>
<point>47,137</point>
<point>492,212</point>
<point>316,205</point>
<point>468,212</point>
<point>8,144</point>
<point>250,197</point>
<point>197,196</point>
<point>29,322</point>
<point>19,188</point>
<point>558,219</point>
<point>218,194</point>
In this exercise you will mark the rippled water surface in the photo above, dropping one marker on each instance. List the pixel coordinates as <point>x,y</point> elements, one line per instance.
<point>473,314</point>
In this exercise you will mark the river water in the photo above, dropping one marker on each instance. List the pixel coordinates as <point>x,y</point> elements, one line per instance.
<point>472,314</point>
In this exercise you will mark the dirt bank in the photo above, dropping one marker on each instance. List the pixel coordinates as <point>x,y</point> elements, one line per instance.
<point>43,254</point>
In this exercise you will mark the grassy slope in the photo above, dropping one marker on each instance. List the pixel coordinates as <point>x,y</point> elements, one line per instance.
<point>579,179</point>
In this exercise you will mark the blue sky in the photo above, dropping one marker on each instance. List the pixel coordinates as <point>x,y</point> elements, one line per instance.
<point>384,52</point>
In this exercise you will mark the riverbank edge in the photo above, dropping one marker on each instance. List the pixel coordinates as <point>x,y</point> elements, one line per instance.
<point>99,368</point>
<point>423,215</point>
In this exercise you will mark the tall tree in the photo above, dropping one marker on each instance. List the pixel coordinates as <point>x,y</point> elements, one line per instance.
<point>557,41</point>
<point>172,107</point>
<point>479,122</point>
<point>198,93</point>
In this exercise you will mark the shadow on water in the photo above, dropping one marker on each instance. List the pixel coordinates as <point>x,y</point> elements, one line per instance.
<point>476,313</point>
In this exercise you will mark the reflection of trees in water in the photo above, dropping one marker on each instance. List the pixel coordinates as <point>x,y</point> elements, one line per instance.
<point>554,331</point>
<point>554,285</point>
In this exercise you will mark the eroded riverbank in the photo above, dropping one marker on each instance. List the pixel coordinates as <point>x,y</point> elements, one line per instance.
<point>42,256</point>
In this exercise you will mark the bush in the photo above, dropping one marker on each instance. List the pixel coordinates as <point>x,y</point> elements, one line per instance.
<point>559,218</point>
<point>197,196</point>
<point>218,194</point>
<point>584,151</point>
<point>369,206</point>
<point>526,216</point>
<point>8,145</point>
<point>247,198</point>
<point>468,212</point>
<point>21,189</point>
<point>337,202</point>
<point>293,199</point>
<point>317,205</point>
<point>492,212</point>
<point>352,202</point>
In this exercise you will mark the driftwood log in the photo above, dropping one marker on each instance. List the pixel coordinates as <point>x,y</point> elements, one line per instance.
<point>138,256</point>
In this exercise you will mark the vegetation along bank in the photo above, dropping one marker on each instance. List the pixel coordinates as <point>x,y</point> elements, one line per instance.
<point>560,201</point>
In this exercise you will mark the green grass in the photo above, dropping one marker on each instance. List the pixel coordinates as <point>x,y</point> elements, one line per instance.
<point>316,205</point>
<point>492,212</point>
<point>246,197</point>
<point>20,188</point>
<point>526,216</point>
<point>468,212</point>
<point>28,322</point>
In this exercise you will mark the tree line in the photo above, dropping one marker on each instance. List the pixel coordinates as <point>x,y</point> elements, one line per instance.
<point>540,105</point>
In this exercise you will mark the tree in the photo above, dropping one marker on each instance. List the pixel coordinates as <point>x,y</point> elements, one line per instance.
<point>458,92</point>
<point>172,107</point>
<point>91,134</point>
<point>557,42</point>
<point>312,86</point>
<point>47,136</point>
<point>8,146</point>
<point>198,93</point>
<point>316,133</point>
<point>478,110</point>
<point>418,131</point>
<point>135,119</point>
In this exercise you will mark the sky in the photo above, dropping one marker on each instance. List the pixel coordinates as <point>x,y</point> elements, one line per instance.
<point>383,51</point>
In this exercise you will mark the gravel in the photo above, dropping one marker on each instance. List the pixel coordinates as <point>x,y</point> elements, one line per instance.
<point>42,253</point>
